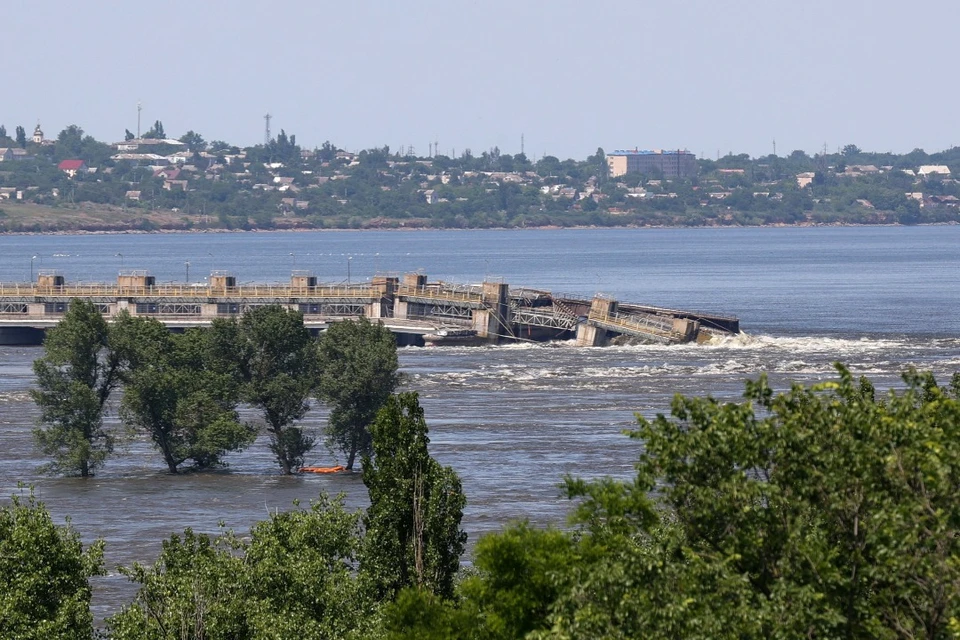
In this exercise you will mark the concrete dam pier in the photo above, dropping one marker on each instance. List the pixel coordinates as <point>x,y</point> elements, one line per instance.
<point>419,312</point>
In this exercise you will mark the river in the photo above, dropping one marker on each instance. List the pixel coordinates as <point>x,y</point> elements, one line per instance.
<point>511,420</point>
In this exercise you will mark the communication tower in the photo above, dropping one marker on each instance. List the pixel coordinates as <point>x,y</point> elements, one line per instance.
<point>266,129</point>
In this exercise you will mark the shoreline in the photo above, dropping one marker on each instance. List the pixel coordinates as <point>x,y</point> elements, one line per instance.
<point>97,232</point>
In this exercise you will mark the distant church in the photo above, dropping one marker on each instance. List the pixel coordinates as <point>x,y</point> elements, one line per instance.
<point>38,136</point>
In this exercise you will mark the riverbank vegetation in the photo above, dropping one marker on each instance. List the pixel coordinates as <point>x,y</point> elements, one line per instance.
<point>821,511</point>
<point>75,182</point>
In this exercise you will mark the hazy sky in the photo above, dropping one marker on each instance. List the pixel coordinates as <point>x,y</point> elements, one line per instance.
<point>706,75</point>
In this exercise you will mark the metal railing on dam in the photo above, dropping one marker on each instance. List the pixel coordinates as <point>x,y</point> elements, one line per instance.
<point>182,291</point>
<point>410,306</point>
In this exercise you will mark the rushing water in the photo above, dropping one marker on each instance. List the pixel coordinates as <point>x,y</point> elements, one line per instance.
<point>511,420</point>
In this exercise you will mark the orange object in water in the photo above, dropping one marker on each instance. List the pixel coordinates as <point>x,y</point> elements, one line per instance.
<point>322,469</point>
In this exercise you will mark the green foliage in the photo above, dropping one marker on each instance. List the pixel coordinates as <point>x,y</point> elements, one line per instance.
<point>827,511</point>
<point>358,372</point>
<point>831,513</point>
<point>294,578</point>
<point>413,536</point>
<point>21,137</point>
<point>44,575</point>
<point>301,565</point>
<point>196,589</point>
<point>75,377</point>
<point>278,367</point>
<point>156,131</point>
<point>194,141</point>
<point>178,393</point>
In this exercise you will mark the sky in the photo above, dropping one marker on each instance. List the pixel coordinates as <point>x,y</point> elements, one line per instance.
<point>710,76</point>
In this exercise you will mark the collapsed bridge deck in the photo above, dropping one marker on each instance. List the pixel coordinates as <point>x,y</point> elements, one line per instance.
<point>410,306</point>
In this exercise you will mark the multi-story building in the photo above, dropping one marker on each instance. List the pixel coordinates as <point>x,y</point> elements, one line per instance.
<point>668,164</point>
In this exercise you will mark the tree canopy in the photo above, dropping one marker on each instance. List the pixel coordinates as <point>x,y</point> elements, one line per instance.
<point>76,375</point>
<point>358,372</point>
<point>825,511</point>
<point>44,574</point>
<point>177,392</point>
<point>413,536</point>
<point>278,366</point>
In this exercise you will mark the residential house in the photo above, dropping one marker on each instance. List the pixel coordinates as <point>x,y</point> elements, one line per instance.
<point>6,154</point>
<point>173,185</point>
<point>805,179</point>
<point>286,205</point>
<point>180,157</point>
<point>861,170</point>
<point>931,170</point>
<point>139,157</point>
<point>72,167</point>
<point>946,201</point>
<point>169,173</point>
<point>133,196</point>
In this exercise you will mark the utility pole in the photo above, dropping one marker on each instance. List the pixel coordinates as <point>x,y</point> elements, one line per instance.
<point>521,145</point>
<point>139,109</point>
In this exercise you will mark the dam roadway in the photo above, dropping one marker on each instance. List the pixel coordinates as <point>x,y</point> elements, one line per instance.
<point>416,310</point>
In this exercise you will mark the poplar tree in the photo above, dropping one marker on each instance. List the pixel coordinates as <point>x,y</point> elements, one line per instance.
<point>413,536</point>
<point>79,370</point>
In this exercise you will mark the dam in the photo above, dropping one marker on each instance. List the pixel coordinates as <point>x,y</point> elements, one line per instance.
<point>415,309</point>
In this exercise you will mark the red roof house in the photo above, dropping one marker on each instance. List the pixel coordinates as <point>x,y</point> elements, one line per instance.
<point>71,167</point>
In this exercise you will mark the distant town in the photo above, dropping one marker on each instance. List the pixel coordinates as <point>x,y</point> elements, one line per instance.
<point>151,181</point>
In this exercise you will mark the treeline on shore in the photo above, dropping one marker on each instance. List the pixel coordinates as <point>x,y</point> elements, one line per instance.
<point>164,183</point>
<point>827,511</point>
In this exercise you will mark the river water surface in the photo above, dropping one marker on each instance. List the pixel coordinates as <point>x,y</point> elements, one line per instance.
<point>511,420</point>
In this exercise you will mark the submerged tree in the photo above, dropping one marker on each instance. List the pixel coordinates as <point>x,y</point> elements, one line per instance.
<point>44,575</point>
<point>358,364</point>
<point>413,536</point>
<point>79,370</point>
<point>278,366</point>
<point>177,393</point>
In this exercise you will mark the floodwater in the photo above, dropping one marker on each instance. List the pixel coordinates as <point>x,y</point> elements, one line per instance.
<point>513,420</point>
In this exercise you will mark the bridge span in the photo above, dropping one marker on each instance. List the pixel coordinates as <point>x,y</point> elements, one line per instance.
<point>416,310</point>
